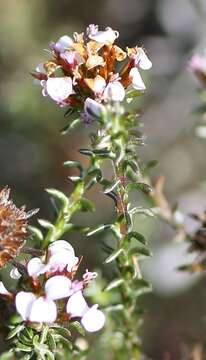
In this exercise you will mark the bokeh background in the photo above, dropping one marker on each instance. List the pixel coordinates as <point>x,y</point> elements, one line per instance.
<point>32,150</point>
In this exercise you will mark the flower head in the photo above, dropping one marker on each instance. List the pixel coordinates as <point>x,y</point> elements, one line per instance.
<point>85,67</point>
<point>56,294</point>
<point>13,227</point>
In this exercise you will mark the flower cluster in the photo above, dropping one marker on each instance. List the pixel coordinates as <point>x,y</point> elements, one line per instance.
<point>54,295</point>
<point>90,66</point>
<point>13,227</point>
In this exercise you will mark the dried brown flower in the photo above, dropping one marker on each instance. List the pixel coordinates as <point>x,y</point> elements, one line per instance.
<point>13,227</point>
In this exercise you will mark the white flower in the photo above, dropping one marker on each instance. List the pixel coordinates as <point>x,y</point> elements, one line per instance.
<point>59,88</point>
<point>3,290</point>
<point>76,305</point>
<point>43,310</point>
<point>142,60</point>
<point>114,91</point>
<point>64,43</point>
<point>93,320</point>
<point>60,245</point>
<point>136,79</point>
<point>58,287</point>
<point>92,108</point>
<point>24,301</point>
<point>108,36</point>
<point>36,267</point>
<point>35,309</point>
<point>61,260</point>
<point>15,274</point>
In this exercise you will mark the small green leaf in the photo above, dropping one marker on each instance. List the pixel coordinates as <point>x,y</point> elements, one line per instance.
<point>85,205</point>
<point>62,331</point>
<point>59,195</point>
<point>36,233</point>
<point>141,287</point>
<point>104,153</point>
<point>139,237</point>
<point>114,284</point>
<point>23,347</point>
<point>111,186</point>
<point>140,186</point>
<point>78,327</point>
<point>36,341</point>
<point>99,229</point>
<point>15,331</point>
<point>142,211</point>
<point>140,250</point>
<point>49,355</point>
<point>113,256</point>
<point>45,224</point>
<point>51,341</point>
<point>44,334</point>
<point>72,125</point>
<point>118,307</point>
<point>24,339</point>
<point>86,152</point>
<point>74,164</point>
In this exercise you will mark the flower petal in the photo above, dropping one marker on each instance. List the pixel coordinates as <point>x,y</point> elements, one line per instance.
<point>24,301</point>
<point>58,287</point>
<point>59,88</point>
<point>144,61</point>
<point>106,37</point>
<point>43,310</point>
<point>114,91</point>
<point>64,43</point>
<point>36,267</point>
<point>93,320</point>
<point>97,84</point>
<point>136,79</point>
<point>92,108</point>
<point>60,245</point>
<point>15,274</point>
<point>76,305</point>
<point>3,290</point>
<point>61,259</point>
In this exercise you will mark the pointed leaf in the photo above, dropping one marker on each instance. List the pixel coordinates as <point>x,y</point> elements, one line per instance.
<point>45,224</point>
<point>36,233</point>
<point>111,186</point>
<point>15,331</point>
<point>140,186</point>
<point>114,284</point>
<point>74,164</point>
<point>135,235</point>
<point>99,229</point>
<point>72,125</point>
<point>78,327</point>
<point>113,256</point>
<point>140,250</point>
<point>142,211</point>
<point>59,196</point>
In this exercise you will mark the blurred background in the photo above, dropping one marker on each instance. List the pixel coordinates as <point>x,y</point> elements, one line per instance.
<point>32,150</point>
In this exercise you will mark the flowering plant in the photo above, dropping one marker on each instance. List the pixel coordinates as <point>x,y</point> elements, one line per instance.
<point>91,76</point>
